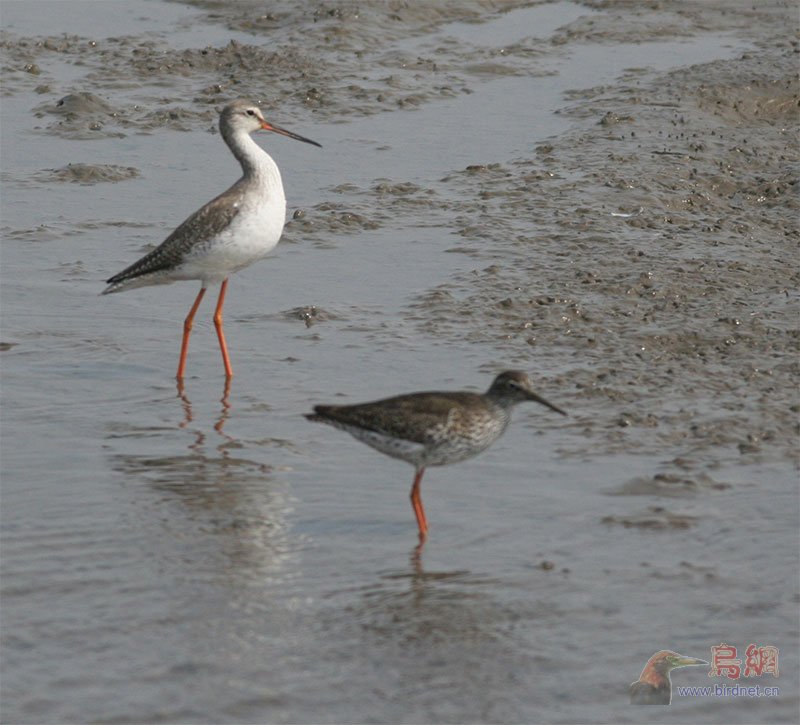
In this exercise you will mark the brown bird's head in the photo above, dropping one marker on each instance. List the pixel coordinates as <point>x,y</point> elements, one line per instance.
<point>654,686</point>
<point>514,386</point>
<point>658,667</point>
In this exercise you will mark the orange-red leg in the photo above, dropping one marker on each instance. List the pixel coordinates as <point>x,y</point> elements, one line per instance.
<point>416,503</point>
<point>187,330</point>
<point>220,334</point>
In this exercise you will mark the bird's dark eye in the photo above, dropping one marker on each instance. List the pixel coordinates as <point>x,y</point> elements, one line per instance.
<point>251,112</point>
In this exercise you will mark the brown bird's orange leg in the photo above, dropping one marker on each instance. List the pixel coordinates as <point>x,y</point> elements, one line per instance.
<point>416,503</point>
<point>187,330</point>
<point>220,334</point>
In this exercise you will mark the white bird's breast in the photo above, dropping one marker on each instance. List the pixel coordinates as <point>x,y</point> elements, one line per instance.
<point>256,229</point>
<point>252,234</point>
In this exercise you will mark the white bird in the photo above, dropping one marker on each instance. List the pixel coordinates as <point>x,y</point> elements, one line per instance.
<point>237,228</point>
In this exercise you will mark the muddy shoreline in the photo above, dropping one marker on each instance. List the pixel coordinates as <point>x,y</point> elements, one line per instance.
<point>653,254</point>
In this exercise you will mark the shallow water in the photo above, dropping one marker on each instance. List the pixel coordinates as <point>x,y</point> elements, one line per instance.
<point>210,556</point>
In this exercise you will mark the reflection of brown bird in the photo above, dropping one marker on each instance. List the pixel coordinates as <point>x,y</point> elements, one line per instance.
<point>235,229</point>
<point>654,686</point>
<point>433,428</point>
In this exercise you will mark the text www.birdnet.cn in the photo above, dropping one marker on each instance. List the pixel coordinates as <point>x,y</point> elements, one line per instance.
<point>753,691</point>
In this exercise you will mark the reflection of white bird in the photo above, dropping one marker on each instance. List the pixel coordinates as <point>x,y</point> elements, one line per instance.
<point>239,227</point>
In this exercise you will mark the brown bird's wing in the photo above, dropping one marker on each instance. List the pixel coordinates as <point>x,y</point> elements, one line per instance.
<point>411,417</point>
<point>204,224</point>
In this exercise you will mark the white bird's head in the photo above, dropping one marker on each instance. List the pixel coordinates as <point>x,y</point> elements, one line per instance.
<point>243,115</point>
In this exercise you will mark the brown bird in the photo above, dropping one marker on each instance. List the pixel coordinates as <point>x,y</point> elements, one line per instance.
<point>654,686</point>
<point>433,428</point>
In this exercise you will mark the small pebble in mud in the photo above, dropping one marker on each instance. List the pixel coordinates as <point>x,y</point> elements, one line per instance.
<point>547,565</point>
<point>313,95</point>
<point>309,314</point>
<point>298,214</point>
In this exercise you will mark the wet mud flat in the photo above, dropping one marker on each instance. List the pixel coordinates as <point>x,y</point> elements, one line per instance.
<point>652,254</point>
<point>639,260</point>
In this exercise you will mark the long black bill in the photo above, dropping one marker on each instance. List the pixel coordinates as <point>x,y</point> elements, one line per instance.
<point>283,132</point>
<point>539,399</point>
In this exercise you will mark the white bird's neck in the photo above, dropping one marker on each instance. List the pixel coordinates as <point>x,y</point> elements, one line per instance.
<point>257,164</point>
